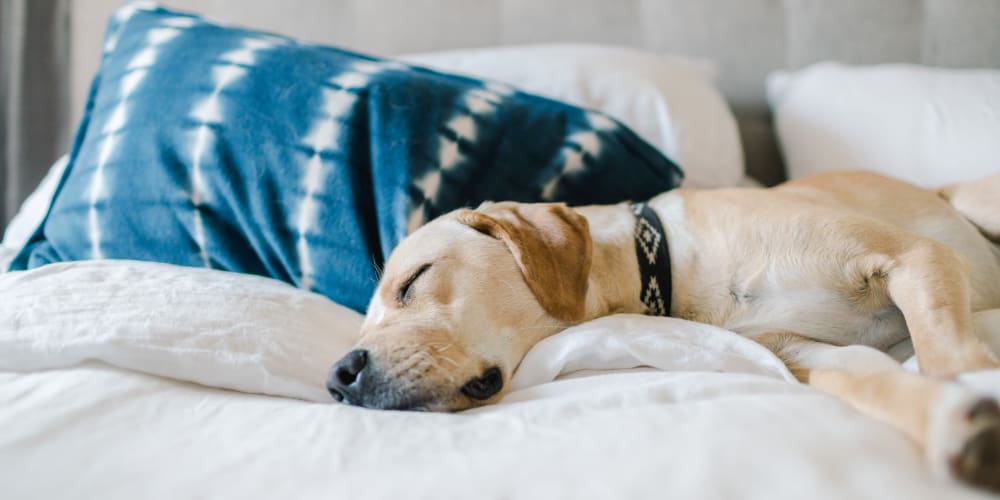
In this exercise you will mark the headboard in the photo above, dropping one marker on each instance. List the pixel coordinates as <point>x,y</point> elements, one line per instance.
<point>747,38</point>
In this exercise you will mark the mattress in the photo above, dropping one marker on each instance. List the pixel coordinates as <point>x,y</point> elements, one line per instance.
<point>140,380</point>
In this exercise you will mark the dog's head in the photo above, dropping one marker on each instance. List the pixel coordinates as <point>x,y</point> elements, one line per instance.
<point>461,301</point>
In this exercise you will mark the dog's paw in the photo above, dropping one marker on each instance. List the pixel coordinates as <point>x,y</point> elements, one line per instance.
<point>964,439</point>
<point>978,461</point>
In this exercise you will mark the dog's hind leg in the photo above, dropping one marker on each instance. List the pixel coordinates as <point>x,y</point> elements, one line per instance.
<point>929,283</point>
<point>958,429</point>
<point>979,202</point>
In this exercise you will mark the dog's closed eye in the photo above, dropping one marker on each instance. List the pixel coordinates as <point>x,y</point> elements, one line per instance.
<point>403,294</point>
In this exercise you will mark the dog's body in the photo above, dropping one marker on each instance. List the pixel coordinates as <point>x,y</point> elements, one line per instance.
<point>848,259</point>
<point>817,258</point>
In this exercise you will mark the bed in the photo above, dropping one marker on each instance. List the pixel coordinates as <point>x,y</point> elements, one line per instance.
<point>129,379</point>
<point>144,380</point>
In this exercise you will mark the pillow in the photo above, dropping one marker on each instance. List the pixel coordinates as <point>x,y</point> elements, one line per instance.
<point>220,147</point>
<point>928,126</point>
<point>7,255</point>
<point>218,329</point>
<point>29,215</point>
<point>669,101</point>
<point>32,212</point>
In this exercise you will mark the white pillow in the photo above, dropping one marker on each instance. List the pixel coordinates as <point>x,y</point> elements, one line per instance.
<point>928,126</point>
<point>215,328</point>
<point>669,101</point>
<point>7,255</point>
<point>30,215</point>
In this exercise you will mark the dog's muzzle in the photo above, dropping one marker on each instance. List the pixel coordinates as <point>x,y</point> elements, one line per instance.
<point>356,380</point>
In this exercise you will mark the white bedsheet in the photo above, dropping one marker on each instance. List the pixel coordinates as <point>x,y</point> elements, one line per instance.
<point>623,407</point>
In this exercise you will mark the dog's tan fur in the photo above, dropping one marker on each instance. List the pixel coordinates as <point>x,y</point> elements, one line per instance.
<point>850,259</point>
<point>551,247</point>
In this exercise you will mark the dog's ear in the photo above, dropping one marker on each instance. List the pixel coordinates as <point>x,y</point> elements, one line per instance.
<point>551,244</point>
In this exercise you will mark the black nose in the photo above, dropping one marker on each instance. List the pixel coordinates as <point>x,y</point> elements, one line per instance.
<point>486,386</point>
<point>345,376</point>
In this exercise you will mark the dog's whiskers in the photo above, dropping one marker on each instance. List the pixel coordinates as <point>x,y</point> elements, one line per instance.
<point>433,362</point>
<point>439,350</point>
<point>379,270</point>
<point>446,358</point>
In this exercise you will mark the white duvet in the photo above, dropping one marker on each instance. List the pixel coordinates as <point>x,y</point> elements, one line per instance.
<point>138,380</point>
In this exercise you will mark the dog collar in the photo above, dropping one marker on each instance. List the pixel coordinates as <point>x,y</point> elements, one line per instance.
<point>654,260</point>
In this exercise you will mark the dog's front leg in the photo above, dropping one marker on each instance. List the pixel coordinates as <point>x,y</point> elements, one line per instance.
<point>929,283</point>
<point>958,429</point>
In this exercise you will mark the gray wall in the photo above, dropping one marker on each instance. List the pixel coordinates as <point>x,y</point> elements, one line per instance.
<point>34,99</point>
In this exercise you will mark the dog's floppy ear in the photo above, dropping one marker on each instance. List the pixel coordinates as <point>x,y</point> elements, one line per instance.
<point>551,244</point>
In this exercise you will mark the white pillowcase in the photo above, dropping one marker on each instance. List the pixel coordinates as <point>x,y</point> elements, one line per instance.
<point>928,126</point>
<point>669,101</point>
<point>31,212</point>
<point>29,216</point>
<point>215,328</point>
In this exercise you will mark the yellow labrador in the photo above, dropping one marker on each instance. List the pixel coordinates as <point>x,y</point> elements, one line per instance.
<point>851,259</point>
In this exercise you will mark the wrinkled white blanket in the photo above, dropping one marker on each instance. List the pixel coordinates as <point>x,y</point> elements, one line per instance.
<point>622,407</point>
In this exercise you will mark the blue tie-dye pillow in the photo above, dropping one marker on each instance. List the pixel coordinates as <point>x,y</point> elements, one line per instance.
<point>220,147</point>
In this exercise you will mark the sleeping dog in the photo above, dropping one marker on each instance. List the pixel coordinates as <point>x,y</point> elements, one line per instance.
<point>826,272</point>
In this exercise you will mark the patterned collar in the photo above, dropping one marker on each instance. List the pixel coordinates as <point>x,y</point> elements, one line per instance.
<point>654,260</point>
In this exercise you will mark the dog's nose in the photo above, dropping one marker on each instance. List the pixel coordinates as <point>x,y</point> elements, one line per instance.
<point>345,376</point>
